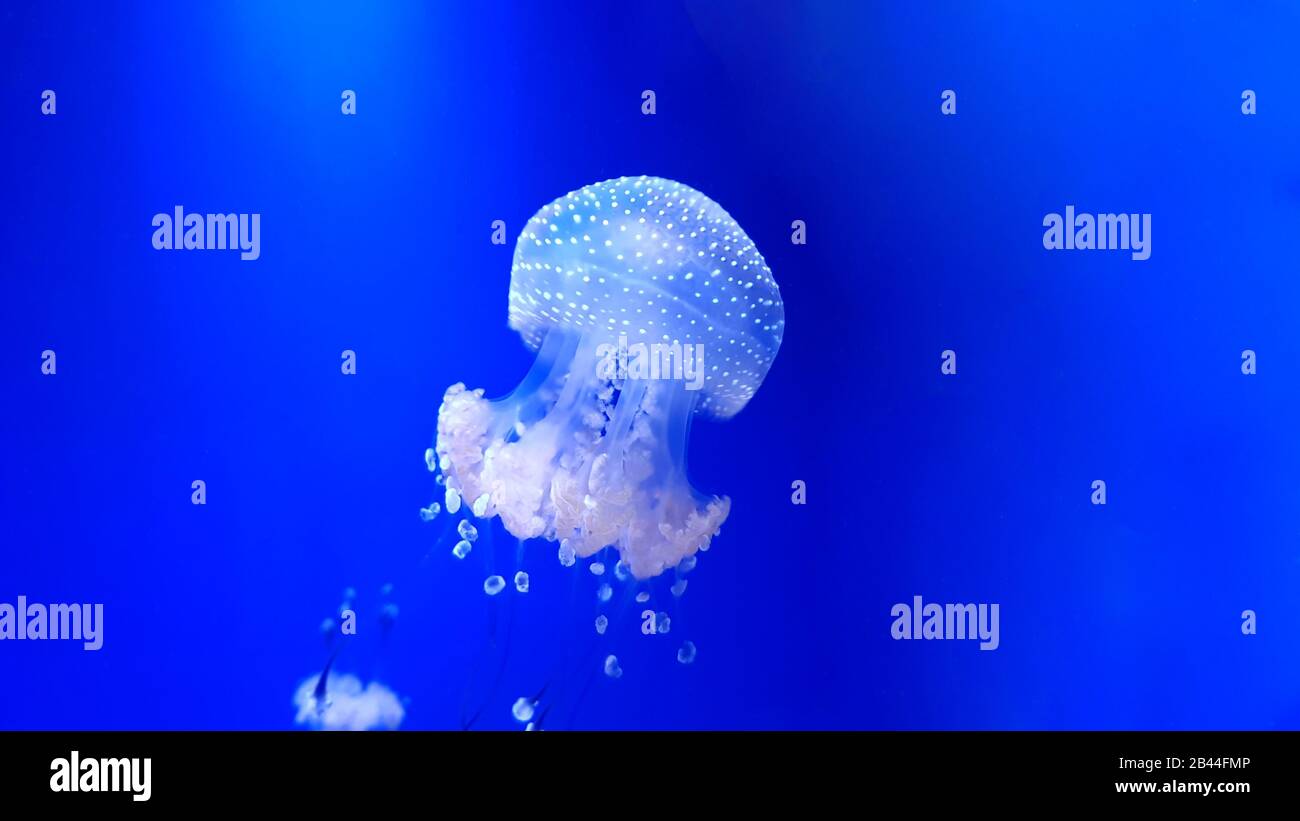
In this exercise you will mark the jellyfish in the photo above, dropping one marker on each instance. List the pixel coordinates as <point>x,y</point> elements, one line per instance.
<point>523,709</point>
<point>341,702</point>
<point>334,701</point>
<point>646,305</point>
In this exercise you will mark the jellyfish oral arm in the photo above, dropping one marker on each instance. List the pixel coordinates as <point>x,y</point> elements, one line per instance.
<point>604,465</point>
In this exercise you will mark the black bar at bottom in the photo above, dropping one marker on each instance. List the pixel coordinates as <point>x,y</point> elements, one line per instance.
<point>511,771</point>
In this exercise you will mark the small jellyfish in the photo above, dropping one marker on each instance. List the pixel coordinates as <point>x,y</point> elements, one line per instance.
<point>521,582</point>
<point>524,709</point>
<point>493,585</point>
<point>340,702</point>
<point>602,622</point>
<point>567,554</point>
<point>597,568</point>
<point>431,460</point>
<point>678,588</point>
<point>327,626</point>
<point>662,622</point>
<point>604,592</point>
<point>452,499</point>
<point>388,614</point>
<point>480,505</point>
<point>646,305</point>
<point>642,597</point>
<point>687,565</point>
<point>467,531</point>
<point>428,514</point>
<point>349,595</point>
<point>387,589</point>
<point>611,667</point>
<point>462,549</point>
<point>686,653</point>
<point>621,571</point>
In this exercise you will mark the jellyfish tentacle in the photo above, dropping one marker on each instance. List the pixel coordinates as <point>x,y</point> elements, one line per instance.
<point>495,652</point>
<point>571,681</point>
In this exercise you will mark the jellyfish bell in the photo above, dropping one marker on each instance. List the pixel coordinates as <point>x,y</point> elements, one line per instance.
<point>646,304</point>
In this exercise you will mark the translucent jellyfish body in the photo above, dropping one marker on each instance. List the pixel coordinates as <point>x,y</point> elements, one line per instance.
<point>524,709</point>
<point>646,304</point>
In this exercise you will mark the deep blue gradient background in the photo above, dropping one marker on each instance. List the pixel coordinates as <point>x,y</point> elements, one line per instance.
<point>924,234</point>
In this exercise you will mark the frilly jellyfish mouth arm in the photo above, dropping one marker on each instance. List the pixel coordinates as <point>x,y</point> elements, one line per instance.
<point>602,463</point>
